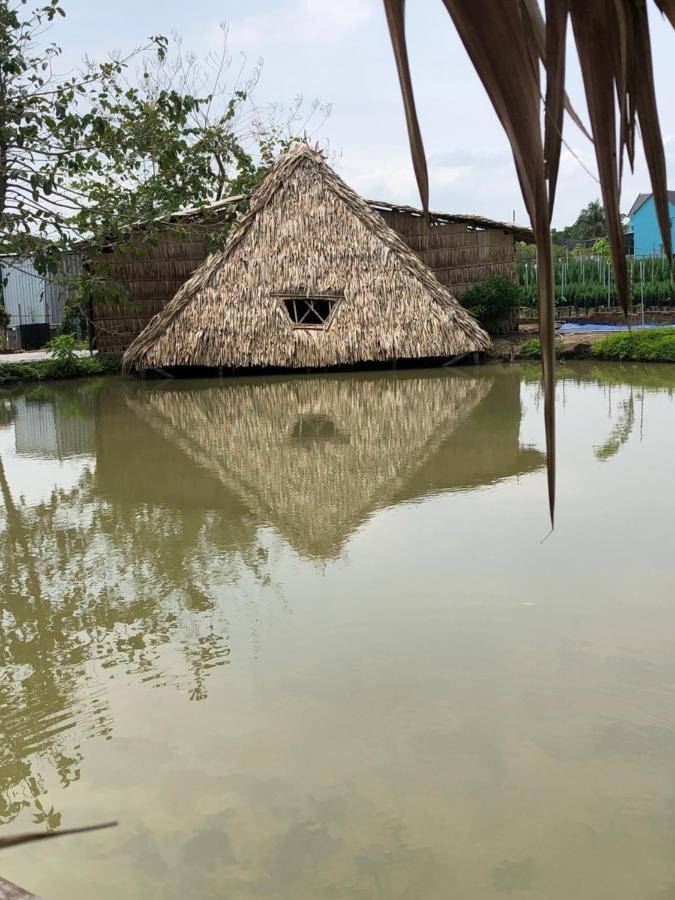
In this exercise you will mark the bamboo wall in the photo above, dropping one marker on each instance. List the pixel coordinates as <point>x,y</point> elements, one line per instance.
<point>459,254</point>
<point>150,274</point>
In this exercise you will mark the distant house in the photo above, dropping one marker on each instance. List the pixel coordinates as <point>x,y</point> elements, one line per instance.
<point>647,240</point>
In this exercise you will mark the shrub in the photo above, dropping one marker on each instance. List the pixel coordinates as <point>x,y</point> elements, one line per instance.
<point>64,360</point>
<point>645,345</point>
<point>4,317</point>
<point>492,302</point>
<point>51,369</point>
<point>531,349</point>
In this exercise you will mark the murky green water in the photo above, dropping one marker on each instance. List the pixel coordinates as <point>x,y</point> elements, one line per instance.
<point>301,637</point>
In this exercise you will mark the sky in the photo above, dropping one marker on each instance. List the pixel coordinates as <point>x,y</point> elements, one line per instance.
<point>338,51</point>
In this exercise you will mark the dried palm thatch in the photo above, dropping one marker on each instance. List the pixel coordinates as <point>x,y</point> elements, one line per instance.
<point>307,235</point>
<point>506,41</point>
<point>149,268</point>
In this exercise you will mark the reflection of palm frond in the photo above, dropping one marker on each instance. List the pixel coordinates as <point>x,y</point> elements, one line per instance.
<point>620,433</point>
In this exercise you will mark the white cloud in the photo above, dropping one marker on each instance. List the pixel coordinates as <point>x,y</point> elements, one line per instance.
<point>302,20</point>
<point>380,173</point>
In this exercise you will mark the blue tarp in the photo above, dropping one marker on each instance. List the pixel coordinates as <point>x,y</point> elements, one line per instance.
<point>580,328</point>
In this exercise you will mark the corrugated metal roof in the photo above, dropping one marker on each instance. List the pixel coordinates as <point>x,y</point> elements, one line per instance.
<point>642,198</point>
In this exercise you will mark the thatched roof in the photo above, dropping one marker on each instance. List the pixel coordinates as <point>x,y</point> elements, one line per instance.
<point>308,235</point>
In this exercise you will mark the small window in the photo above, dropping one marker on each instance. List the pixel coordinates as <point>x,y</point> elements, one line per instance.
<point>313,428</point>
<point>310,312</point>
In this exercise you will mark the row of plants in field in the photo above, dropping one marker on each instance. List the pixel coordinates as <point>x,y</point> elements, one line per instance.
<point>591,294</point>
<point>570,269</point>
<point>588,280</point>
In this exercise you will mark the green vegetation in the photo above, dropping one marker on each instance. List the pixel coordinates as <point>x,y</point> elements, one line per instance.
<point>584,276</point>
<point>532,349</point>
<point>64,358</point>
<point>492,301</point>
<point>590,224</point>
<point>588,281</point>
<point>650,345</point>
<point>92,152</point>
<point>59,368</point>
<point>645,345</point>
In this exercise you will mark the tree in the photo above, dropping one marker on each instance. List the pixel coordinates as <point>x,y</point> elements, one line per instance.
<point>52,131</point>
<point>601,247</point>
<point>128,141</point>
<point>589,224</point>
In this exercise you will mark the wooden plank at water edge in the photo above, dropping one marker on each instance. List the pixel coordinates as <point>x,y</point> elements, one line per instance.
<point>9,891</point>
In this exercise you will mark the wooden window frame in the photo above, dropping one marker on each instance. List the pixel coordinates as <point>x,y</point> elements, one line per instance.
<point>283,297</point>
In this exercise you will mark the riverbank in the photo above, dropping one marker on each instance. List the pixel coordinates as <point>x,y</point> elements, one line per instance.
<point>650,345</point>
<point>45,368</point>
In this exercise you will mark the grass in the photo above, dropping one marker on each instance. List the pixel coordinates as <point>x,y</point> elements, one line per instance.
<point>54,370</point>
<point>649,345</point>
<point>532,349</point>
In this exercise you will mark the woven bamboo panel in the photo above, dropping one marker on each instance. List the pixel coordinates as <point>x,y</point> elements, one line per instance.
<point>151,274</point>
<point>459,255</point>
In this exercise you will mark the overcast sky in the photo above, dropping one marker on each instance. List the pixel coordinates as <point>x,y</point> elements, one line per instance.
<point>339,51</point>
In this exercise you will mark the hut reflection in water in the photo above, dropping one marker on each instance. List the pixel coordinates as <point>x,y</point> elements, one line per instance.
<point>315,456</point>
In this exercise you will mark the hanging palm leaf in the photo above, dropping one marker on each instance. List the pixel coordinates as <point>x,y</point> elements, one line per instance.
<point>506,41</point>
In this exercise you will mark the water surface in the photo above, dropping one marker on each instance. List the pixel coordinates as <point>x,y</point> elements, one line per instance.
<point>301,636</point>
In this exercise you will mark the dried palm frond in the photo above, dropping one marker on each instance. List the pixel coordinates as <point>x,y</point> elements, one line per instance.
<point>506,41</point>
<point>27,837</point>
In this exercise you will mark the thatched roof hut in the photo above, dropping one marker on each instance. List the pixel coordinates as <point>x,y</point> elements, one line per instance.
<point>312,277</point>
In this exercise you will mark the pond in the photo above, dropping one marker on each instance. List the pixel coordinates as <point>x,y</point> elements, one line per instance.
<point>307,636</point>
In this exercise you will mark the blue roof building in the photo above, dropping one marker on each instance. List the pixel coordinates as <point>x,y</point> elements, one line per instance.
<point>647,240</point>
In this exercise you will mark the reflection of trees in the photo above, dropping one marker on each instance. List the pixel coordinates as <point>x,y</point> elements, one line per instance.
<point>88,585</point>
<point>99,580</point>
<point>649,378</point>
<point>6,411</point>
